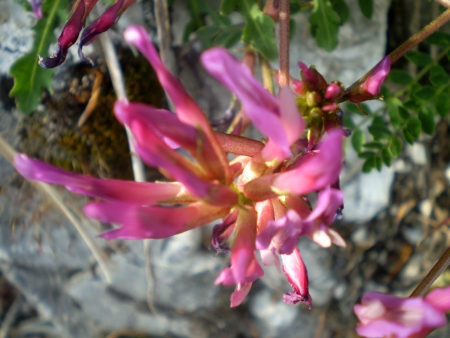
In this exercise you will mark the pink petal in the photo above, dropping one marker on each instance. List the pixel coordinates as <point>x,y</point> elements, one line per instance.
<point>102,24</point>
<point>328,202</point>
<point>139,222</point>
<point>239,294</point>
<point>334,90</point>
<point>107,189</point>
<point>187,109</point>
<point>157,153</point>
<point>440,299</point>
<point>281,234</point>
<point>69,34</point>
<point>296,273</point>
<point>312,78</point>
<point>269,257</point>
<point>36,7</point>
<point>259,105</point>
<point>222,232</point>
<point>314,173</point>
<point>318,172</point>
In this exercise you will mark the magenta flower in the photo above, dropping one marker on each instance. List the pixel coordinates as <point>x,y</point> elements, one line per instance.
<point>382,315</point>
<point>371,87</point>
<point>260,194</point>
<point>77,20</point>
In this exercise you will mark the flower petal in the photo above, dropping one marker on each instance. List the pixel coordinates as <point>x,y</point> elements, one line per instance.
<point>157,153</point>
<point>69,34</point>
<point>296,273</point>
<point>239,294</point>
<point>259,105</point>
<point>186,108</point>
<point>102,24</point>
<point>139,222</point>
<point>107,189</point>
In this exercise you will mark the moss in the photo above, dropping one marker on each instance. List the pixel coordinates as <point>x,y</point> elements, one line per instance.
<point>100,146</point>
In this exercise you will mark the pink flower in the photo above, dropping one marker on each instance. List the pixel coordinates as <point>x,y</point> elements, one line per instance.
<point>382,315</point>
<point>36,7</point>
<point>296,273</point>
<point>260,194</point>
<point>371,87</point>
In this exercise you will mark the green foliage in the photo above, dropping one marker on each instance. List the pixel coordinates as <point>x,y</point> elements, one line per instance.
<point>366,7</point>
<point>341,8</point>
<point>413,109</point>
<point>325,24</point>
<point>29,78</point>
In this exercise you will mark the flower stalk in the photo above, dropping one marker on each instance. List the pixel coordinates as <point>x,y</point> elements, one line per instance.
<point>284,43</point>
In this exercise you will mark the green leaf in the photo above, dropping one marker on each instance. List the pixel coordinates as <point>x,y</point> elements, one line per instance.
<point>373,145</point>
<point>438,76</point>
<point>198,10</point>
<point>403,113</point>
<point>393,110</point>
<point>442,104</point>
<point>258,30</point>
<point>228,37</point>
<point>341,8</point>
<point>386,156</point>
<point>30,79</point>
<point>348,122</point>
<point>400,77</point>
<point>439,38</point>
<point>352,108</point>
<point>395,146</point>
<point>366,154</point>
<point>425,93</point>
<point>366,7</point>
<point>378,121</point>
<point>412,104</point>
<point>378,162</point>
<point>369,164</point>
<point>324,24</point>
<point>427,119</point>
<point>407,136</point>
<point>414,127</point>
<point>358,139</point>
<point>379,132</point>
<point>419,58</point>
<point>228,6</point>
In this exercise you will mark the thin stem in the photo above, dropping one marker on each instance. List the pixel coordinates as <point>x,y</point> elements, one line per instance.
<point>10,316</point>
<point>284,43</point>
<point>118,81</point>
<point>434,273</point>
<point>420,36</point>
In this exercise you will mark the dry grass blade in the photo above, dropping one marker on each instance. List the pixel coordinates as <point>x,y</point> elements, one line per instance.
<point>10,316</point>
<point>8,152</point>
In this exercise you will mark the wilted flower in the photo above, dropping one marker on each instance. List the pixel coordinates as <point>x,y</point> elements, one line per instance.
<point>260,194</point>
<point>383,315</point>
<point>77,20</point>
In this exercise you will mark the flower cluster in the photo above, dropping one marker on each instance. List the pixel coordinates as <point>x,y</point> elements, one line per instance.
<point>261,194</point>
<point>382,315</point>
<point>77,20</point>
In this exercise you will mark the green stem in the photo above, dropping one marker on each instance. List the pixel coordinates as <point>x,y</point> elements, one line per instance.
<point>434,273</point>
<point>284,43</point>
<point>420,36</point>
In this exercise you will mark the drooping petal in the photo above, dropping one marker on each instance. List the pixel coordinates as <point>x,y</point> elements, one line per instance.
<point>102,24</point>
<point>296,273</point>
<point>243,261</point>
<point>260,106</point>
<point>314,173</point>
<point>186,108</point>
<point>107,189</point>
<point>222,232</point>
<point>157,153</point>
<point>281,234</point>
<point>239,294</point>
<point>69,34</point>
<point>139,222</point>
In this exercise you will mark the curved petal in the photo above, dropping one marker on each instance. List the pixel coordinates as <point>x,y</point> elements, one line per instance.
<point>139,222</point>
<point>280,124</point>
<point>157,153</point>
<point>107,189</point>
<point>187,109</point>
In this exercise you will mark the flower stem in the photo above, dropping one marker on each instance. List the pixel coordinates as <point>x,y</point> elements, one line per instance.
<point>420,36</point>
<point>284,43</point>
<point>434,273</point>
